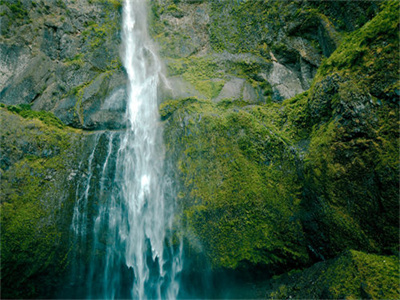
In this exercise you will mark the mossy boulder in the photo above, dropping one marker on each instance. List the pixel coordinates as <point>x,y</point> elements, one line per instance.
<point>352,159</point>
<point>352,275</point>
<point>239,187</point>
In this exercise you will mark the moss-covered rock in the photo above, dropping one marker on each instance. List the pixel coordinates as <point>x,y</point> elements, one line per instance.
<point>352,160</point>
<point>276,46</point>
<point>280,184</point>
<point>352,275</point>
<point>322,166</point>
<point>39,176</point>
<point>54,49</point>
<point>239,186</point>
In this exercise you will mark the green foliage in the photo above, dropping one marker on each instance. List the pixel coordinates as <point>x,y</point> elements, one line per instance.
<point>169,107</point>
<point>239,186</point>
<point>17,9</point>
<point>204,74</point>
<point>352,160</point>
<point>238,32</point>
<point>115,4</point>
<point>24,110</point>
<point>353,275</point>
<point>172,8</point>
<point>242,26</point>
<point>337,149</point>
<point>77,61</point>
<point>35,158</point>
<point>356,167</point>
<point>100,33</point>
<point>366,50</point>
<point>96,34</point>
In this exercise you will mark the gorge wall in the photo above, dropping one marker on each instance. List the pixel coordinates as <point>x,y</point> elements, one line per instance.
<point>280,127</point>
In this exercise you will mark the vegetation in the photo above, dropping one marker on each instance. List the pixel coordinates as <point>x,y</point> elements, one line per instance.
<point>354,144</point>
<point>314,166</point>
<point>35,157</point>
<point>239,183</point>
<point>25,111</point>
<point>17,9</point>
<point>312,180</point>
<point>353,275</point>
<point>203,74</point>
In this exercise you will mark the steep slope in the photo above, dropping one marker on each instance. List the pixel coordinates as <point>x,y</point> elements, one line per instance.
<point>353,154</point>
<point>281,130</point>
<point>258,51</point>
<point>282,185</point>
<point>63,57</point>
<point>39,175</point>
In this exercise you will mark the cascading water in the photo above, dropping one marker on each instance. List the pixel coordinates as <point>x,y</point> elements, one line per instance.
<point>131,254</point>
<point>142,157</point>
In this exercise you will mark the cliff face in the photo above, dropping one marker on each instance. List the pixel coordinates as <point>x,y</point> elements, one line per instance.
<point>49,173</point>
<point>284,183</point>
<point>281,131</point>
<point>258,51</point>
<point>281,184</point>
<point>63,57</point>
<point>40,172</point>
<point>59,66</point>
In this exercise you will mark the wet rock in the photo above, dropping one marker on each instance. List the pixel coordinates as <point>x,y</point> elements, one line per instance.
<point>285,83</point>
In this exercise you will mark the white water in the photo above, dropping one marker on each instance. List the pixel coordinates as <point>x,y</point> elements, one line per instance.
<point>149,215</point>
<point>122,242</point>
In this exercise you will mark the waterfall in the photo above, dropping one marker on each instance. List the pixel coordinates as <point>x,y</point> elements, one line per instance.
<point>142,156</point>
<point>123,230</point>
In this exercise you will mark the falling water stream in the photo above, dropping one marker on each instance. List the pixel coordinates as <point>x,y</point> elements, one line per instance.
<point>128,253</point>
<point>142,156</point>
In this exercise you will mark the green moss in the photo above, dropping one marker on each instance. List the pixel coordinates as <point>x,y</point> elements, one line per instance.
<point>77,61</point>
<point>99,34</point>
<point>238,182</point>
<point>354,144</point>
<point>241,26</point>
<point>35,160</point>
<point>172,8</point>
<point>204,74</point>
<point>25,111</point>
<point>336,161</point>
<point>291,117</point>
<point>78,92</point>
<point>365,50</point>
<point>115,4</point>
<point>167,108</point>
<point>18,10</point>
<point>354,275</point>
<point>346,162</point>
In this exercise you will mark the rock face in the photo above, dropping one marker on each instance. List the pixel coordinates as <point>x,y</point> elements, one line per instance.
<point>238,183</point>
<point>281,131</point>
<point>63,57</point>
<point>314,165</point>
<point>351,275</point>
<point>46,172</point>
<point>275,47</point>
<point>40,172</point>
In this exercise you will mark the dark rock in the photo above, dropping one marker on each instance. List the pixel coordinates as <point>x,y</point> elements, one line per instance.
<point>51,42</point>
<point>62,58</point>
